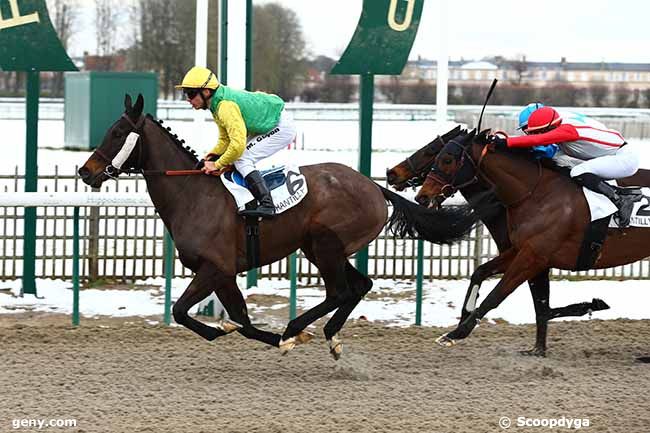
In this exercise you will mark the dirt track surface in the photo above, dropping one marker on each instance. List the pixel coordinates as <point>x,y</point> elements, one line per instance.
<point>125,376</point>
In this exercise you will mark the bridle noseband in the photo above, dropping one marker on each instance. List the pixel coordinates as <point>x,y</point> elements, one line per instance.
<point>419,176</point>
<point>132,142</point>
<point>448,182</point>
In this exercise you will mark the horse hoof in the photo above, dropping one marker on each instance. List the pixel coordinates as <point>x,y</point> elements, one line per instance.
<point>287,345</point>
<point>228,326</point>
<point>533,352</point>
<point>445,341</point>
<point>336,347</point>
<point>304,337</point>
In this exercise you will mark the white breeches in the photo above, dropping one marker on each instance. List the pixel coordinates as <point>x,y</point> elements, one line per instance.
<point>262,146</point>
<point>625,162</point>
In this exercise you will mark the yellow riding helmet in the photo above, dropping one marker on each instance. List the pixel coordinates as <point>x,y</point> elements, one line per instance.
<point>199,78</point>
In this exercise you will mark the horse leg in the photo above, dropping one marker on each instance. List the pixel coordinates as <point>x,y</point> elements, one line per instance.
<point>539,289</point>
<point>331,264</point>
<point>200,287</point>
<point>360,284</point>
<point>523,267</point>
<point>234,303</point>
<point>488,269</point>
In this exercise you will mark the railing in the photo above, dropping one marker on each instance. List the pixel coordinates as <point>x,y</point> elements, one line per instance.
<point>632,122</point>
<point>126,243</point>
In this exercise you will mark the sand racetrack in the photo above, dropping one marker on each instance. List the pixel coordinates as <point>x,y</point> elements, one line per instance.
<point>125,376</point>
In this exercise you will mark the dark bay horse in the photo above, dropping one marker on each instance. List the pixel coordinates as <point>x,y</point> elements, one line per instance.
<point>546,214</point>
<point>413,171</point>
<point>342,213</point>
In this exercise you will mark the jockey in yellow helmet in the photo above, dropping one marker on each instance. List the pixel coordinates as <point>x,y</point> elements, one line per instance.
<point>252,126</point>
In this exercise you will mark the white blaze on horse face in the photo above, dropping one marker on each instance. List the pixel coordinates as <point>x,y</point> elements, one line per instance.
<point>126,150</point>
<point>471,301</point>
<point>392,22</point>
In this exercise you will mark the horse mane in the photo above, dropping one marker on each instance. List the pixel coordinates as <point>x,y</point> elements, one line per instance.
<point>186,149</point>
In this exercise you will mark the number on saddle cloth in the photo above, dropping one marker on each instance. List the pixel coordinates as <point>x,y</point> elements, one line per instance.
<point>273,177</point>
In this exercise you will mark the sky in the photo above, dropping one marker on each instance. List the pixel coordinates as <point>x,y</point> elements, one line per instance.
<point>580,30</point>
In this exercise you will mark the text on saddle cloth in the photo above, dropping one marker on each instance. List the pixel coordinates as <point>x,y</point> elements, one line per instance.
<point>601,207</point>
<point>287,184</point>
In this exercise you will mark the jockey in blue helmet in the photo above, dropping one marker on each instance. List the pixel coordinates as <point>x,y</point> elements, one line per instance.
<point>547,151</point>
<point>525,114</point>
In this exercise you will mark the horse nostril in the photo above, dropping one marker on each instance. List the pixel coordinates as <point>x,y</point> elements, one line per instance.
<point>422,200</point>
<point>84,173</point>
<point>390,177</point>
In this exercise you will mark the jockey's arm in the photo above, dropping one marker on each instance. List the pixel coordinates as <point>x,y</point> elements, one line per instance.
<point>233,131</point>
<point>558,135</point>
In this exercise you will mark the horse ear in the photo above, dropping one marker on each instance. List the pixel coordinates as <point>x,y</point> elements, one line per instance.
<point>128,104</point>
<point>139,105</point>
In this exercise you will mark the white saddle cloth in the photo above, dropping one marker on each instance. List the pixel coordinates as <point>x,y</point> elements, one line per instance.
<point>600,207</point>
<point>285,196</point>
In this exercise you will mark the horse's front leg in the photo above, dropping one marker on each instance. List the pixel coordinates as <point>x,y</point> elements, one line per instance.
<point>201,286</point>
<point>525,265</point>
<point>497,265</point>
<point>232,300</point>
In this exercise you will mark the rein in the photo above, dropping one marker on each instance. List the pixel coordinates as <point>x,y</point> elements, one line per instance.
<point>114,167</point>
<point>420,175</point>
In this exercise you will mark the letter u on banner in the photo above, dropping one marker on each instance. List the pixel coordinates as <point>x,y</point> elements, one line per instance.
<point>392,9</point>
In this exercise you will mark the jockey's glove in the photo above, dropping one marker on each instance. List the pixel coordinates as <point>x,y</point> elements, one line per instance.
<point>498,142</point>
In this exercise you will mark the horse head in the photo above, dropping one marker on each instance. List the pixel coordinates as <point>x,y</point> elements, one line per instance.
<point>413,170</point>
<point>119,150</point>
<point>453,168</point>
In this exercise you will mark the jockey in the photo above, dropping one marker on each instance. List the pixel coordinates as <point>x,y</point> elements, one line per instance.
<point>601,154</point>
<point>252,126</point>
<point>547,151</point>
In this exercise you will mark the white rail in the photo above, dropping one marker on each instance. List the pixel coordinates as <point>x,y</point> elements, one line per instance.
<point>76,199</point>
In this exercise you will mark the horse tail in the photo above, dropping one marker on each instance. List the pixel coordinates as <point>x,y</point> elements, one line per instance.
<point>446,225</point>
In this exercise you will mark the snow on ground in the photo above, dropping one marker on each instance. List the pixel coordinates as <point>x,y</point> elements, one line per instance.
<point>390,302</point>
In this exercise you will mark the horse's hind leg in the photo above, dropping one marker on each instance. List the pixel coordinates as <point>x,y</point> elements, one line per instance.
<point>233,301</point>
<point>199,289</point>
<point>330,261</point>
<point>359,285</point>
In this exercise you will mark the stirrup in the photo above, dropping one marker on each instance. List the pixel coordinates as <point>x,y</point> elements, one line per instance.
<point>259,212</point>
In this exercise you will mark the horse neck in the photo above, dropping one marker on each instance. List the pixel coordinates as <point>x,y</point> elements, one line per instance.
<point>513,178</point>
<point>168,193</point>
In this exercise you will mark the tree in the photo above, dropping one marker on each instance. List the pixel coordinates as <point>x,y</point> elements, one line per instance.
<point>278,50</point>
<point>392,89</point>
<point>64,15</point>
<point>106,15</point>
<point>165,40</point>
<point>599,94</point>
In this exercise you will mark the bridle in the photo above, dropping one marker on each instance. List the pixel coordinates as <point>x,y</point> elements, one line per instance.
<point>448,182</point>
<point>420,175</point>
<point>133,143</point>
<point>449,188</point>
<point>114,167</point>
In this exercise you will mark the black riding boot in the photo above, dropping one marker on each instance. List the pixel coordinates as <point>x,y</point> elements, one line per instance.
<point>624,202</point>
<point>260,191</point>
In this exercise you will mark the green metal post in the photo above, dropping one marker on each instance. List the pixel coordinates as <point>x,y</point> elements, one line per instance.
<point>75,267</point>
<point>31,180</point>
<point>293,276</point>
<point>366,98</point>
<point>418,283</point>
<point>168,247</point>
<point>223,73</point>
<point>249,45</point>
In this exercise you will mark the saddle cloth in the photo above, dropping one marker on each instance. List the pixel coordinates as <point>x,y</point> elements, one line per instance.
<point>600,207</point>
<point>287,184</point>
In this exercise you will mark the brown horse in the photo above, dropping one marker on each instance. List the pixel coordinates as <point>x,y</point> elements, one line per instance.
<point>342,213</point>
<point>413,171</point>
<point>547,215</point>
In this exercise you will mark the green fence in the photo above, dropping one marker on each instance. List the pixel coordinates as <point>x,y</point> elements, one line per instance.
<point>127,243</point>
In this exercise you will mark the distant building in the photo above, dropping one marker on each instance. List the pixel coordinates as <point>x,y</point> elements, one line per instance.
<point>537,74</point>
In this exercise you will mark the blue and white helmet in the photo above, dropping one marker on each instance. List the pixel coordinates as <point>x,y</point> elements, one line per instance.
<point>526,112</point>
